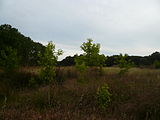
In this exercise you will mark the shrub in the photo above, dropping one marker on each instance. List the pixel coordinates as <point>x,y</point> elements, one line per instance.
<point>81,67</point>
<point>48,62</point>
<point>103,96</point>
<point>157,64</point>
<point>91,54</point>
<point>123,63</point>
<point>9,60</point>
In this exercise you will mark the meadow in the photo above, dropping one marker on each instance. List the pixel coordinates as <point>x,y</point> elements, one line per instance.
<point>135,95</point>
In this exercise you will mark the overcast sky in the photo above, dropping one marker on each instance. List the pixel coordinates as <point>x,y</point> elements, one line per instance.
<point>120,26</point>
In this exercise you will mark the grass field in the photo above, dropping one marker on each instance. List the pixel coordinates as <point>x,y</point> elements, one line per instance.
<point>135,96</point>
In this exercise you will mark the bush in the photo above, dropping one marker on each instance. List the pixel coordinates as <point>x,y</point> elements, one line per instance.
<point>157,64</point>
<point>9,60</point>
<point>123,63</point>
<point>81,67</point>
<point>48,62</point>
<point>103,96</point>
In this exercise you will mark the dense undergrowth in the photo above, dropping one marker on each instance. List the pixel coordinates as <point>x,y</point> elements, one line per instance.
<point>132,96</point>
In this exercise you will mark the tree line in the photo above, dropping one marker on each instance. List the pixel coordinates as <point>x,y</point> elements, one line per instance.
<point>139,61</point>
<point>11,40</point>
<point>26,49</point>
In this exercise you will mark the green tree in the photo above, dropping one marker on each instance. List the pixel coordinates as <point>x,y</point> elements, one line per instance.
<point>81,67</point>
<point>26,48</point>
<point>123,63</point>
<point>9,60</point>
<point>91,56</point>
<point>48,62</point>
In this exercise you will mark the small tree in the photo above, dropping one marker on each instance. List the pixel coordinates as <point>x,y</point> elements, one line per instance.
<point>123,63</point>
<point>91,56</point>
<point>103,96</point>
<point>9,60</point>
<point>81,67</point>
<point>48,62</point>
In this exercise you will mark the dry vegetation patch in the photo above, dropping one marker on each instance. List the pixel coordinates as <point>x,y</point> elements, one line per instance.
<point>135,96</point>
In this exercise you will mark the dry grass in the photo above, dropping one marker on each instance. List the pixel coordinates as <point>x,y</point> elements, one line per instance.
<point>135,96</point>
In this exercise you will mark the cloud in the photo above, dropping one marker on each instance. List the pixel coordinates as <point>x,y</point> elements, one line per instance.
<point>118,25</point>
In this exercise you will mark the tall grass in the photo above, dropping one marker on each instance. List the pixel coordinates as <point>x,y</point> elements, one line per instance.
<point>135,96</point>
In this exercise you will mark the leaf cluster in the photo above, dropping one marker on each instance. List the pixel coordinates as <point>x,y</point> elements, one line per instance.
<point>103,96</point>
<point>90,48</point>
<point>48,61</point>
<point>9,60</point>
<point>124,63</point>
<point>91,56</point>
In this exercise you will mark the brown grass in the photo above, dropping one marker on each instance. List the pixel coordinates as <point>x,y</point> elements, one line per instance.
<point>135,96</point>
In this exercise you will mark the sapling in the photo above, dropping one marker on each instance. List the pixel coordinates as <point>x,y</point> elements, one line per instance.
<point>48,62</point>
<point>90,57</point>
<point>123,63</point>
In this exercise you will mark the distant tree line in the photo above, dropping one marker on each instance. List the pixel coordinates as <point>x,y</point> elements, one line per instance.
<point>138,61</point>
<point>27,50</point>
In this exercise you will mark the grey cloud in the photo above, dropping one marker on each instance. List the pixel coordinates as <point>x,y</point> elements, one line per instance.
<point>118,25</point>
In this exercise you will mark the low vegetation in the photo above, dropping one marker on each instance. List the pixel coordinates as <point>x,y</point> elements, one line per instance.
<point>135,95</point>
<point>157,64</point>
<point>34,85</point>
<point>124,64</point>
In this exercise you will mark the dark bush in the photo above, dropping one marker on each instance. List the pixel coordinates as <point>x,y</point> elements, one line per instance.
<point>157,64</point>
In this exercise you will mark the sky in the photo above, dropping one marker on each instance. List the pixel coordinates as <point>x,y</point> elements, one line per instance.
<point>120,26</point>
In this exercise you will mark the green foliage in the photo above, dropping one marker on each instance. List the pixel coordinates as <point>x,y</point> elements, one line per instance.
<point>48,62</point>
<point>90,57</point>
<point>103,96</point>
<point>47,75</point>
<point>157,64</point>
<point>81,67</point>
<point>90,48</point>
<point>80,64</point>
<point>91,54</point>
<point>26,48</point>
<point>9,59</point>
<point>123,63</point>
